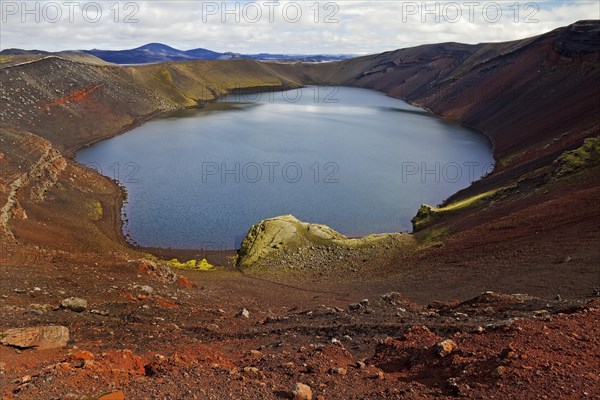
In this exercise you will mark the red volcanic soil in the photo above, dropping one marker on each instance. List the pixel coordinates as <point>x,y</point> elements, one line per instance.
<point>180,342</point>
<point>76,96</point>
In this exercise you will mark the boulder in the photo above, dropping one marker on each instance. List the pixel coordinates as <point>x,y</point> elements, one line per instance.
<point>285,231</point>
<point>40,337</point>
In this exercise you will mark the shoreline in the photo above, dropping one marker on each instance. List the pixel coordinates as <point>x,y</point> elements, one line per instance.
<point>221,254</point>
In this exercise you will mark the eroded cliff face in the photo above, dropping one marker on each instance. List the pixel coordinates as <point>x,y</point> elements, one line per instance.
<point>30,167</point>
<point>48,200</point>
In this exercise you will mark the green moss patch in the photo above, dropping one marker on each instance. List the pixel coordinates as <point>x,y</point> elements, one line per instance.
<point>427,214</point>
<point>433,238</point>
<point>586,156</point>
<point>95,210</point>
<point>201,265</point>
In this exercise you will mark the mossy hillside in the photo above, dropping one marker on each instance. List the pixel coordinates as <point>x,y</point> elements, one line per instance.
<point>427,214</point>
<point>164,81</point>
<point>586,156</point>
<point>273,237</point>
<point>231,75</point>
<point>188,84</point>
<point>432,237</point>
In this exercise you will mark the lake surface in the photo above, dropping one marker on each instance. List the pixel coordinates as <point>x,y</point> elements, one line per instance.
<point>353,159</point>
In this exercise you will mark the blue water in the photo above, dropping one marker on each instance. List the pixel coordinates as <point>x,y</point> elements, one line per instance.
<point>353,159</point>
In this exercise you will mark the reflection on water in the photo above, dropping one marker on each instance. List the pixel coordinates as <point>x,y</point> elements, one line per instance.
<point>353,159</point>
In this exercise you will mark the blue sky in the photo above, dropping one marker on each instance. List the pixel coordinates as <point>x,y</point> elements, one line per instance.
<point>299,27</point>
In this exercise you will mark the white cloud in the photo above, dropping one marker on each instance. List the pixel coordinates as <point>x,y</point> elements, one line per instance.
<point>362,27</point>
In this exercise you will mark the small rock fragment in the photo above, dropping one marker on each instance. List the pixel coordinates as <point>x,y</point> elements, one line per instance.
<point>244,313</point>
<point>144,289</point>
<point>255,353</point>
<point>378,375</point>
<point>393,298</point>
<point>251,370</point>
<point>302,392</point>
<point>508,352</point>
<point>445,347</point>
<point>479,329</point>
<point>499,372</point>
<point>338,371</point>
<point>75,304</point>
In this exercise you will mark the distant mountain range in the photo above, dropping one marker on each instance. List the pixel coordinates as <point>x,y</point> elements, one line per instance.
<point>158,52</point>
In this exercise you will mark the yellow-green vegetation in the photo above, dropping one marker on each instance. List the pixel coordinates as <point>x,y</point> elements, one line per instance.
<point>273,236</point>
<point>469,201</point>
<point>424,216</point>
<point>432,237</point>
<point>165,75</point>
<point>164,78</point>
<point>5,59</point>
<point>201,265</point>
<point>150,257</point>
<point>190,83</point>
<point>95,210</point>
<point>588,155</point>
<point>428,214</point>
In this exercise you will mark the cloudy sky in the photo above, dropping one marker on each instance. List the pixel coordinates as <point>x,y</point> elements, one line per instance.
<point>293,27</point>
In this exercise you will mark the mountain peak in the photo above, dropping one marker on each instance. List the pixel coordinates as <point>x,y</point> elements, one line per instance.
<point>156,47</point>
